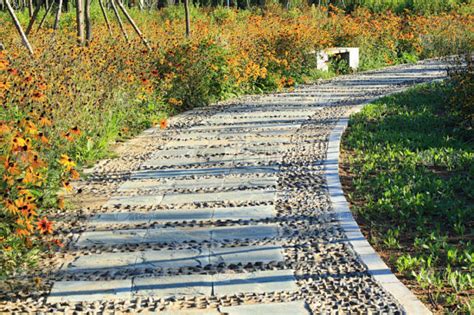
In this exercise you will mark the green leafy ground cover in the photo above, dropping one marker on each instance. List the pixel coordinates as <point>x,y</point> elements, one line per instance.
<point>409,174</point>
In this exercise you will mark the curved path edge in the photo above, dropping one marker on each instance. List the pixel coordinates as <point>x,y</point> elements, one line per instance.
<point>369,257</point>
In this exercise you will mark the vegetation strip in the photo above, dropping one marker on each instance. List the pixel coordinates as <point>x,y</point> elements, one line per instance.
<point>408,173</point>
<point>375,266</point>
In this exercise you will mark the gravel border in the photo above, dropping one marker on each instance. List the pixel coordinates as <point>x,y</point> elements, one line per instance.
<point>375,265</point>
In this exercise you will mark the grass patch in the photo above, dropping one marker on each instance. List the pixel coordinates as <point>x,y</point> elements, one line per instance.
<point>409,175</point>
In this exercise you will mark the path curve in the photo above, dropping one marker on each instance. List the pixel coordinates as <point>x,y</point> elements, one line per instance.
<point>228,212</point>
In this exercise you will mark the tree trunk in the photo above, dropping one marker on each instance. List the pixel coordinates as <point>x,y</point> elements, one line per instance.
<point>45,15</point>
<point>119,20</point>
<point>101,4</point>
<point>80,21</point>
<point>30,8</point>
<point>88,21</point>
<point>135,27</point>
<point>188,21</point>
<point>18,27</point>
<point>33,18</point>
<point>58,15</point>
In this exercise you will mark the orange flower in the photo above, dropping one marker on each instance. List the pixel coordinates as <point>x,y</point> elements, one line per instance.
<point>11,207</point>
<point>11,167</point>
<point>67,136</point>
<point>67,162</point>
<point>57,242</point>
<point>75,131</point>
<point>61,203</point>
<point>38,96</point>
<point>31,177</point>
<point>4,128</point>
<point>67,186</point>
<point>163,123</point>
<point>42,138</point>
<point>44,121</point>
<point>45,226</point>
<point>74,174</point>
<point>22,232</point>
<point>19,143</point>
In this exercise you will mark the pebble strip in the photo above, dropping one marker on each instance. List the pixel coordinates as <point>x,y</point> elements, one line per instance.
<point>225,212</point>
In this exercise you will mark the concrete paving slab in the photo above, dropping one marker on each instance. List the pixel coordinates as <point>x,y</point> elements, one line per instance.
<point>197,183</point>
<point>225,142</point>
<point>203,162</point>
<point>255,282</point>
<point>176,235</point>
<point>254,232</point>
<point>293,308</point>
<point>145,200</point>
<point>244,213</point>
<point>102,261</point>
<point>162,216</point>
<point>173,286</point>
<point>256,125</point>
<point>77,291</point>
<point>245,254</point>
<point>181,215</point>
<point>165,259</point>
<point>231,196</point>
<point>214,171</point>
<point>191,312</point>
<point>162,259</point>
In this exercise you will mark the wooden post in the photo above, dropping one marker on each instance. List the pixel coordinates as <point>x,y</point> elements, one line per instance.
<point>87,15</point>
<point>45,15</point>
<point>119,20</point>
<point>33,18</point>
<point>80,21</point>
<point>135,27</point>
<point>105,16</point>
<point>58,15</point>
<point>18,27</point>
<point>188,22</point>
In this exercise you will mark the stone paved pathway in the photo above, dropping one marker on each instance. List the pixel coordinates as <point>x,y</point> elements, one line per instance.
<point>227,212</point>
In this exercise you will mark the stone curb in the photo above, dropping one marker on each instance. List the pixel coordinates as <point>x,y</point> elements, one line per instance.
<point>375,266</point>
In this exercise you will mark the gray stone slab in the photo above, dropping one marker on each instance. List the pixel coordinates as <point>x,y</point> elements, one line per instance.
<point>110,237</point>
<point>225,142</point>
<point>187,152</point>
<point>214,171</point>
<point>256,113</point>
<point>181,215</point>
<point>293,308</point>
<point>203,162</point>
<point>145,200</point>
<point>253,232</point>
<point>255,282</point>
<point>173,286</point>
<point>76,291</point>
<point>244,213</point>
<point>256,125</point>
<point>245,254</point>
<point>177,235</point>
<point>103,261</point>
<point>163,216</point>
<point>231,196</point>
<point>191,312</point>
<point>163,259</point>
<point>226,182</point>
<point>264,118</point>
